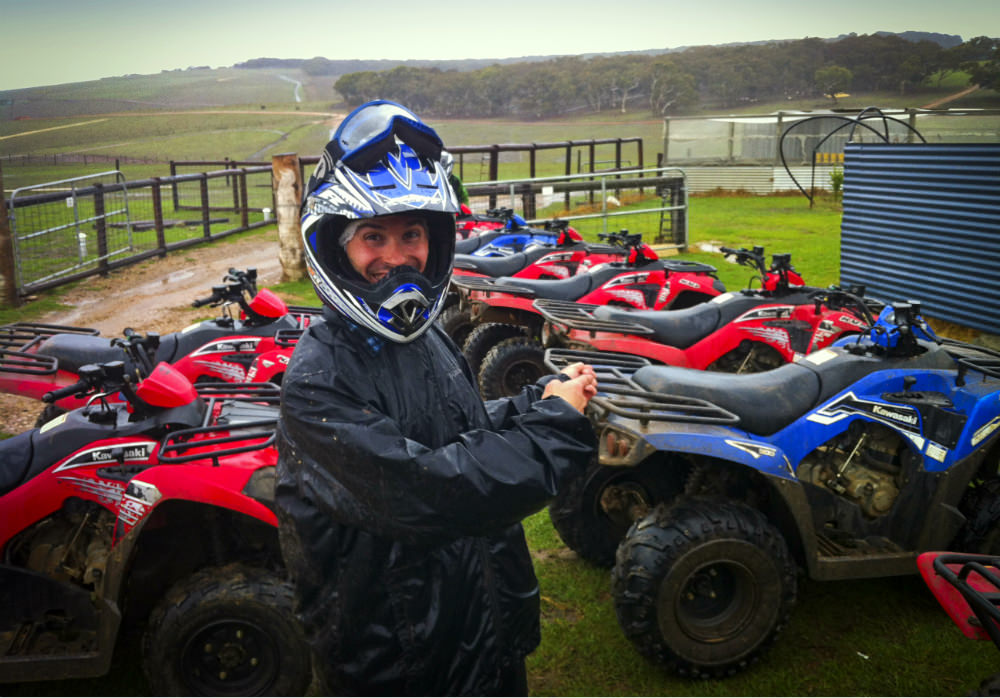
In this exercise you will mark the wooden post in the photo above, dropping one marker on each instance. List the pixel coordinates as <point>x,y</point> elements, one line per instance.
<point>286,183</point>
<point>102,229</point>
<point>7,264</point>
<point>161,237</point>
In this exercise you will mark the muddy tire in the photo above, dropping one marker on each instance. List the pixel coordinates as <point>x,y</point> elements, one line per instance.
<point>456,323</point>
<point>593,512</point>
<point>703,586</point>
<point>226,631</point>
<point>511,365</point>
<point>485,337</point>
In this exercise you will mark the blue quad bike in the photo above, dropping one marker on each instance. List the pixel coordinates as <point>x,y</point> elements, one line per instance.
<point>711,492</point>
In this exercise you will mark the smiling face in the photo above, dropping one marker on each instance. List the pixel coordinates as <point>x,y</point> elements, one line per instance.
<point>381,244</point>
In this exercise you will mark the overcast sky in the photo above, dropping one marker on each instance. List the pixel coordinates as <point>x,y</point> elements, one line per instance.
<point>46,42</point>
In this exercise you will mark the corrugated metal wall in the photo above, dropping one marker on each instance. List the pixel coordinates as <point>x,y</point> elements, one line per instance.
<point>922,222</point>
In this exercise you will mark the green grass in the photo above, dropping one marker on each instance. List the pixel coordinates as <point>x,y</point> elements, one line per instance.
<point>867,637</point>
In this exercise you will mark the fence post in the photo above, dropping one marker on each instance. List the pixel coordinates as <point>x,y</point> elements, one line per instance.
<point>244,201</point>
<point>7,264</point>
<point>102,230</point>
<point>173,185</point>
<point>286,183</point>
<point>161,240</point>
<point>206,213</point>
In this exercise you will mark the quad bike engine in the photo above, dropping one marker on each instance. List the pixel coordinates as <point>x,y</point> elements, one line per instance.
<point>71,545</point>
<point>865,464</point>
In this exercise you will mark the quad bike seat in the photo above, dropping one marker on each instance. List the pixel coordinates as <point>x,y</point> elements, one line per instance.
<point>562,289</point>
<point>76,350</point>
<point>501,265</point>
<point>15,459</point>
<point>765,402</point>
<point>685,327</point>
<point>769,401</point>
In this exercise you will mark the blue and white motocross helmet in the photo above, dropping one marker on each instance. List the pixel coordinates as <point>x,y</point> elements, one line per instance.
<point>382,160</point>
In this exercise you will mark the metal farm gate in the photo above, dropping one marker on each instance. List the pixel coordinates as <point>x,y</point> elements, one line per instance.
<point>922,222</point>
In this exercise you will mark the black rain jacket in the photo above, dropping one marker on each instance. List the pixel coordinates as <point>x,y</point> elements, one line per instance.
<point>400,495</point>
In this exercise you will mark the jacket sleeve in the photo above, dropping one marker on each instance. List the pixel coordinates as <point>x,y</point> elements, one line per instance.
<point>357,465</point>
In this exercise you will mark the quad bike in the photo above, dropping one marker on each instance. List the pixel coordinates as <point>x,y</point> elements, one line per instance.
<point>469,225</point>
<point>36,358</point>
<point>746,332</point>
<point>502,309</point>
<point>154,511</point>
<point>846,464</point>
<point>753,330</point>
<point>968,588</point>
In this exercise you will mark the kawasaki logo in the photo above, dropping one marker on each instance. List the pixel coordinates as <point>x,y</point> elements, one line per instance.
<point>892,414</point>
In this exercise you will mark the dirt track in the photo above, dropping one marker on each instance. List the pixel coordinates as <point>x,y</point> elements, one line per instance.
<point>154,296</point>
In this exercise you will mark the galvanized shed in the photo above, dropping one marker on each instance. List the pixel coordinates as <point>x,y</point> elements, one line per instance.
<point>922,222</point>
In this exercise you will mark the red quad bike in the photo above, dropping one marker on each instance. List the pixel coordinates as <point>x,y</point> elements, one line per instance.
<point>967,586</point>
<point>254,344</point>
<point>150,514</point>
<point>502,309</point>
<point>745,332</point>
<point>472,225</point>
<point>558,252</point>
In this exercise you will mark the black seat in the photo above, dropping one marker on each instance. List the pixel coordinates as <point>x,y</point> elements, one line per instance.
<point>675,328</point>
<point>15,459</point>
<point>765,402</point>
<point>76,350</point>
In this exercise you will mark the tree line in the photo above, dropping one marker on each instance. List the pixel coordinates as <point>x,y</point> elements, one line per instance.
<point>680,82</point>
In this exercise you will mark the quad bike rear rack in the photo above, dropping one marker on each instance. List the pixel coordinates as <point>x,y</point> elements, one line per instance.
<point>24,336</point>
<point>19,343</point>
<point>244,414</point>
<point>287,338</point>
<point>489,286</point>
<point>620,395</point>
<point>580,316</point>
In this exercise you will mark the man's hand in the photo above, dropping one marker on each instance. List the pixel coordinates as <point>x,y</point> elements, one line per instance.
<point>577,391</point>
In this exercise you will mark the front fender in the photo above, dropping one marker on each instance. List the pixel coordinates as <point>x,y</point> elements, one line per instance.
<point>218,486</point>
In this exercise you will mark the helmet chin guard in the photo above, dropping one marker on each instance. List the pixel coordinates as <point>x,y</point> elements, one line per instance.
<point>402,305</point>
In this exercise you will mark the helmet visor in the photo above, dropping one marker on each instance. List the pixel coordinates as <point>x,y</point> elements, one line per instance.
<point>370,131</point>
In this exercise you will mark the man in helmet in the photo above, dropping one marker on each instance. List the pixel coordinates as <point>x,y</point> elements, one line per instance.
<point>399,492</point>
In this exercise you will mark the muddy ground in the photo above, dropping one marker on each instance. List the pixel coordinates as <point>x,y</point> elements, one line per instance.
<point>154,296</point>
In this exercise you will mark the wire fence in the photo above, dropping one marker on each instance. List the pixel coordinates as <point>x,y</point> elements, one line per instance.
<point>66,230</point>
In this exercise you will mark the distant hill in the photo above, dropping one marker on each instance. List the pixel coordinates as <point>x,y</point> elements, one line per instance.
<point>271,83</point>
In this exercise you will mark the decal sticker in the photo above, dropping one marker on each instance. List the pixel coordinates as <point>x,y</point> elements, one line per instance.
<point>220,368</point>
<point>229,346</point>
<point>771,335</point>
<point>820,357</point>
<point>664,293</point>
<point>628,280</point>
<point>140,498</point>
<point>629,295</point>
<point>107,491</point>
<point>755,450</point>
<point>936,452</point>
<point>898,416</point>
<point>688,282</point>
<point>982,432</point>
<point>133,452</point>
<point>53,423</point>
<point>768,313</point>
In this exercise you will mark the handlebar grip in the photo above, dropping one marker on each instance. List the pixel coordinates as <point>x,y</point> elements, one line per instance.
<point>60,393</point>
<point>202,301</point>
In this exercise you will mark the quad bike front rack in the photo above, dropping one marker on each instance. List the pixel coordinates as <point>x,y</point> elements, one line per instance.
<point>240,417</point>
<point>620,395</point>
